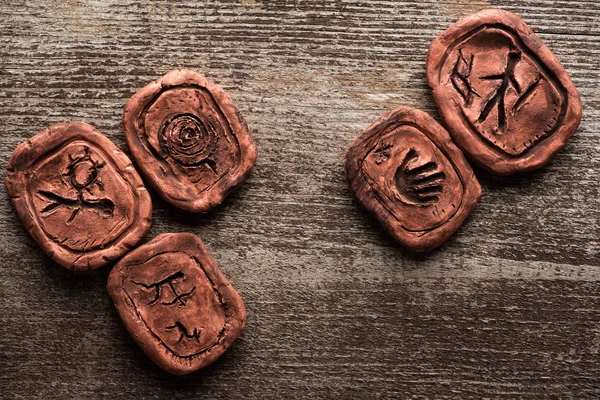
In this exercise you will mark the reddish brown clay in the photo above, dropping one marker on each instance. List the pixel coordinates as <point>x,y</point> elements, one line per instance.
<point>176,303</point>
<point>189,140</point>
<point>505,98</point>
<point>405,169</point>
<point>78,195</point>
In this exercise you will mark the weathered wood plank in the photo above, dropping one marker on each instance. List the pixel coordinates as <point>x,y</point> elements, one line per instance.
<point>508,307</point>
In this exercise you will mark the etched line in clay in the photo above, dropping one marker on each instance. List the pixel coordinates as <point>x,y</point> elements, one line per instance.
<point>177,297</point>
<point>460,78</point>
<point>529,92</point>
<point>184,333</point>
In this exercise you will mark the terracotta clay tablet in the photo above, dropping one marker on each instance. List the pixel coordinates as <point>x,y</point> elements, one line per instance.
<point>502,94</point>
<point>405,169</point>
<point>176,303</point>
<point>189,139</point>
<point>78,195</point>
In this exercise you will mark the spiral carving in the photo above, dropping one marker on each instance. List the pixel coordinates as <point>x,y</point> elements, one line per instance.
<point>187,140</point>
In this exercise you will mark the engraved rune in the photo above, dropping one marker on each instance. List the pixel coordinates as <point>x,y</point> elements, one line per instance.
<point>168,281</point>
<point>498,97</point>
<point>184,332</point>
<point>419,184</point>
<point>383,153</point>
<point>461,78</point>
<point>82,175</point>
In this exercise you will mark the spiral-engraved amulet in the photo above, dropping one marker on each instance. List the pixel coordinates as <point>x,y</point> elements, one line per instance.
<point>189,140</point>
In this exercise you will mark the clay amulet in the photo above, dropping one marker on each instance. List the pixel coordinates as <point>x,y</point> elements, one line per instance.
<point>175,302</point>
<point>406,170</point>
<point>189,140</point>
<point>78,195</point>
<point>504,97</point>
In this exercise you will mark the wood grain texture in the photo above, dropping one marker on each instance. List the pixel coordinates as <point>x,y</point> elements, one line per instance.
<point>507,308</point>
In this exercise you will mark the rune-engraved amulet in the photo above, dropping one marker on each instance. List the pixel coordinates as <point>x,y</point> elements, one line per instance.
<point>78,195</point>
<point>502,94</point>
<point>189,140</point>
<point>405,170</point>
<point>175,302</point>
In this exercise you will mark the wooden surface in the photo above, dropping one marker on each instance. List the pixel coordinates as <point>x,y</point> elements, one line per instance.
<point>508,307</point>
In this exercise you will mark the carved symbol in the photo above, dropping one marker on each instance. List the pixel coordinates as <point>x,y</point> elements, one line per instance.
<point>189,141</point>
<point>461,78</point>
<point>184,332</point>
<point>498,97</point>
<point>177,297</point>
<point>419,184</point>
<point>382,154</point>
<point>82,174</point>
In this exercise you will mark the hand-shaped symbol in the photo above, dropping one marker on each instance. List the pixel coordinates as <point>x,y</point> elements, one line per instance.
<point>419,183</point>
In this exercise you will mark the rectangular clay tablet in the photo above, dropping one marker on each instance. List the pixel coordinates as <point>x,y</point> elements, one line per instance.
<point>175,302</point>
<point>502,94</point>
<point>405,170</point>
